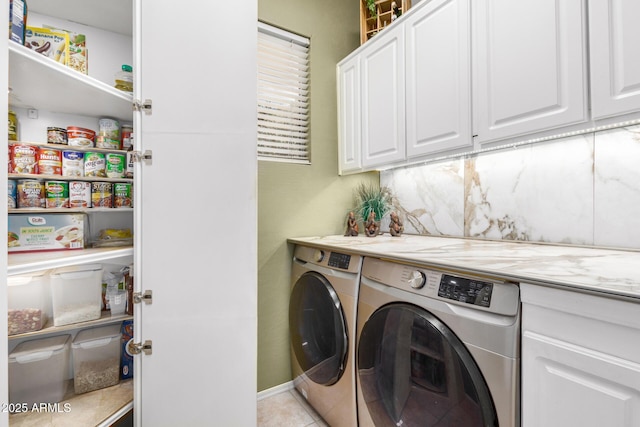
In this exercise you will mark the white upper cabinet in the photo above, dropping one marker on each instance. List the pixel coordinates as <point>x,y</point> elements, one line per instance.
<point>349,158</point>
<point>529,66</point>
<point>614,35</point>
<point>383,98</point>
<point>438,78</point>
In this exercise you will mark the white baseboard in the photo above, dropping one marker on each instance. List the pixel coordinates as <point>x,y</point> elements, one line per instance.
<point>275,390</point>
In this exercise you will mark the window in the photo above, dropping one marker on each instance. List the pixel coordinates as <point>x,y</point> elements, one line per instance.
<point>283,95</point>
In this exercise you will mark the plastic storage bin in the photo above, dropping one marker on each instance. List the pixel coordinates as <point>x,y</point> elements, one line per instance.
<point>96,358</point>
<point>28,303</point>
<point>76,294</point>
<point>38,370</point>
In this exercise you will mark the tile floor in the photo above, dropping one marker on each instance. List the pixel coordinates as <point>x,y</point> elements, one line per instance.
<point>287,409</point>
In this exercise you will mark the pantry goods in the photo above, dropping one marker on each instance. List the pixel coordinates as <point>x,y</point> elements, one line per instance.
<point>30,193</point>
<point>23,158</point>
<point>79,194</point>
<point>44,231</point>
<point>115,165</point>
<point>80,137</point>
<point>56,135</point>
<point>12,193</point>
<point>72,163</point>
<point>122,197</point>
<point>96,358</point>
<point>13,126</point>
<point>101,195</point>
<point>94,164</point>
<point>108,134</point>
<point>50,43</point>
<point>49,161</point>
<point>76,293</point>
<point>57,194</point>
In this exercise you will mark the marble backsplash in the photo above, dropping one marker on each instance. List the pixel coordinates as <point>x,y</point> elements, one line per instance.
<point>582,190</point>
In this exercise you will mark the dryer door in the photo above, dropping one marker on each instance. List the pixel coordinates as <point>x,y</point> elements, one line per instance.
<point>414,371</point>
<point>318,329</point>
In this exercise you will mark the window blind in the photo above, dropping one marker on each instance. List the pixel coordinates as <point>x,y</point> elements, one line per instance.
<point>283,95</point>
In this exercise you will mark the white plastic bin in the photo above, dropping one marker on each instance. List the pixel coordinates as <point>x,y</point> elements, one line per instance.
<point>76,294</point>
<point>28,302</point>
<point>96,358</point>
<point>38,370</point>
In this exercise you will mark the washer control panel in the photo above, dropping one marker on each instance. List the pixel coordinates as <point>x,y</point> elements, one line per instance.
<point>338,260</point>
<point>470,291</point>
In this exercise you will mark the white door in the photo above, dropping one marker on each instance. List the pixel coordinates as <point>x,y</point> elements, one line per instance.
<point>615,57</point>
<point>349,141</point>
<point>528,65</point>
<point>438,77</point>
<point>196,227</point>
<point>383,108</point>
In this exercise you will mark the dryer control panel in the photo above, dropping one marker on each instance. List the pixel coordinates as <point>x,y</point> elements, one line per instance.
<point>465,290</point>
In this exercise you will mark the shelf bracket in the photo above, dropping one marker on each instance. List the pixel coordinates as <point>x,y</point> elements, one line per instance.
<point>146,106</point>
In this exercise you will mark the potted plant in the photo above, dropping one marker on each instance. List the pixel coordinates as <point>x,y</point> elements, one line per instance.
<point>372,204</point>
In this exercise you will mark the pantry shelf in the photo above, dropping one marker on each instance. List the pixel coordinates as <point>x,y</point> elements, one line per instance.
<point>36,81</point>
<point>105,319</point>
<point>22,263</point>
<point>66,178</point>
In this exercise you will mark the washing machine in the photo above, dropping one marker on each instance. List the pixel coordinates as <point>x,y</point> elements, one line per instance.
<point>322,324</point>
<point>436,348</point>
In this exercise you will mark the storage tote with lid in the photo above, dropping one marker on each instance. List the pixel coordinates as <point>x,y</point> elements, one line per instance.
<point>27,303</point>
<point>76,294</point>
<point>96,358</point>
<point>38,370</point>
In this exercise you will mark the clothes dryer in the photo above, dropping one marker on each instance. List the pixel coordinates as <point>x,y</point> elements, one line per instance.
<point>436,348</point>
<point>322,320</point>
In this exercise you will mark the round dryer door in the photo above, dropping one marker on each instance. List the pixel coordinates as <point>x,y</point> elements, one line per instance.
<point>318,329</point>
<point>414,371</point>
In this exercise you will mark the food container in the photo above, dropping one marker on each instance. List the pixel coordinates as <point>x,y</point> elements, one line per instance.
<point>126,364</point>
<point>96,358</point>
<point>72,163</point>
<point>38,370</point>
<point>79,194</point>
<point>95,164</point>
<point>49,161</point>
<point>12,194</point>
<point>52,44</point>
<point>115,165</point>
<point>80,137</point>
<point>127,136</point>
<point>17,20</point>
<point>76,294</point>
<point>13,126</point>
<point>56,194</point>
<point>45,232</point>
<point>57,136</point>
<point>101,195</point>
<point>108,134</point>
<point>24,158</point>
<point>30,193</point>
<point>27,302</point>
<point>122,195</point>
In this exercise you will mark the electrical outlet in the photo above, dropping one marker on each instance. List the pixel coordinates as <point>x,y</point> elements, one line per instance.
<point>32,113</point>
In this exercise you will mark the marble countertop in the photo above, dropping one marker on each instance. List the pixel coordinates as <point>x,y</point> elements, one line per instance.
<point>605,271</point>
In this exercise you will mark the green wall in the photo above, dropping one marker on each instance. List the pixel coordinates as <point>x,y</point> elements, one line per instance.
<point>302,200</point>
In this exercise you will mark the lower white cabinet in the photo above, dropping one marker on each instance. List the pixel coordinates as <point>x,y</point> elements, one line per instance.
<point>580,359</point>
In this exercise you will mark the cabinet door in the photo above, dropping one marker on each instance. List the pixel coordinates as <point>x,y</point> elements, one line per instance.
<point>615,59</point>
<point>569,385</point>
<point>349,124</point>
<point>438,73</point>
<point>197,214</point>
<point>528,65</point>
<point>383,108</point>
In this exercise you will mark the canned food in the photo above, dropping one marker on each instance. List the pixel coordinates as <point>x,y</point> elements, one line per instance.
<point>12,193</point>
<point>127,136</point>
<point>72,163</point>
<point>56,194</point>
<point>94,164</point>
<point>49,161</point>
<point>30,193</point>
<point>108,134</point>
<point>79,194</point>
<point>128,172</point>
<point>101,195</point>
<point>13,126</point>
<point>80,137</point>
<point>115,165</point>
<point>57,135</point>
<point>122,197</point>
<point>24,158</point>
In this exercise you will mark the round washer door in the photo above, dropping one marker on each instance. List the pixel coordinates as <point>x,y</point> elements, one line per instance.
<point>414,371</point>
<point>318,329</point>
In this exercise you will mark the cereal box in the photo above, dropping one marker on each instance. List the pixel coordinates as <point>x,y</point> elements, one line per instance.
<point>45,232</point>
<point>126,363</point>
<point>17,20</point>
<point>50,43</point>
<point>78,54</point>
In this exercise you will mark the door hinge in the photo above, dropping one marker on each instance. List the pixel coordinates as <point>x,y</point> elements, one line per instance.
<point>146,106</point>
<point>137,348</point>
<point>145,297</point>
<point>137,156</point>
